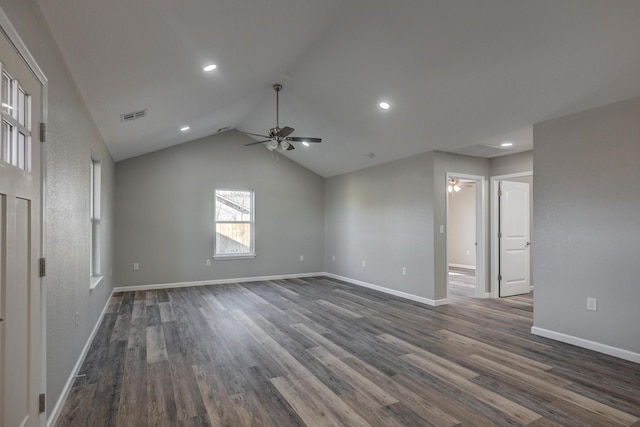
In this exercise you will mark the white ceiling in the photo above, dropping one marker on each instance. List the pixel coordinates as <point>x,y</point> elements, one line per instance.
<point>458,74</point>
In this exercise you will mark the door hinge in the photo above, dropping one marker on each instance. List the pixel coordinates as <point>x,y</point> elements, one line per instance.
<point>43,132</point>
<point>499,235</point>
<point>499,193</point>
<point>42,267</point>
<point>499,277</point>
<point>41,404</point>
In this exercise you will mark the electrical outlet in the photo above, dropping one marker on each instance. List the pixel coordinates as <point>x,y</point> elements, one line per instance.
<point>208,262</point>
<point>592,304</point>
<point>301,257</point>
<point>136,266</point>
<point>364,264</point>
<point>404,271</point>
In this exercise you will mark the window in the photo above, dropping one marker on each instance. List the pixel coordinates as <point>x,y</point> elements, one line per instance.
<point>96,183</point>
<point>15,112</point>
<point>234,224</point>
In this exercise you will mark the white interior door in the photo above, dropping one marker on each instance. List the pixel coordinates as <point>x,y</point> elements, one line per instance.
<point>21,353</point>
<point>515,242</point>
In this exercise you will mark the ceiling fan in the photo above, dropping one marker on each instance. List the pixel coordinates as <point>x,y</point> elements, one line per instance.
<point>279,137</point>
<point>455,185</point>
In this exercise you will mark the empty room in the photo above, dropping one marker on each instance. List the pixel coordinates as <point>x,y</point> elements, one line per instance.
<point>319,213</point>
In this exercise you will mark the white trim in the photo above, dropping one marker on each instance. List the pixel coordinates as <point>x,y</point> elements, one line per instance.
<point>590,345</point>
<point>481,229</point>
<point>94,281</point>
<point>495,256</point>
<point>152,287</point>
<point>55,411</point>
<point>400,294</point>
<point>468,267</point>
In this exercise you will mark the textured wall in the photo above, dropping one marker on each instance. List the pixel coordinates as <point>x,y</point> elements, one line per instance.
<point>165,211</point>
<point>587,224</point>
<point>383,215</point>
<point>72,140</point>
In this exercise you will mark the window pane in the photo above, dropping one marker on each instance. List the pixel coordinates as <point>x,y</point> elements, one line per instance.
<point>7,94</point>
<point>233,205</point>
<point>22,151</point>
<point>9,143</point>
<point>21,107</point>
<point>233,238</point>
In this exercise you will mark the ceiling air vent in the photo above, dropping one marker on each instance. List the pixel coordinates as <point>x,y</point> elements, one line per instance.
<point>127,117</point>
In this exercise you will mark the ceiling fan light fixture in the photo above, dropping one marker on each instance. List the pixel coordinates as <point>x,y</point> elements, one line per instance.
<point>456,188</point>
<point>284,145</point>
<point>272,145</point>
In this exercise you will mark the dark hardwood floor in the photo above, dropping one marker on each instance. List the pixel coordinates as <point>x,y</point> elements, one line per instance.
<point>319,352</point>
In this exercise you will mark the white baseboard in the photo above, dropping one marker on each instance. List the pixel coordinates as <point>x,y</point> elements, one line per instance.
<point>153,287</point>
<point>55,412</point>
<point>400,294</point>
<point>468,267</point>
<point>590,345</point>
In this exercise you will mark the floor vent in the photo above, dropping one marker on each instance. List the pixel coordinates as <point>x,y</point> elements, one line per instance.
<point>127,117</point>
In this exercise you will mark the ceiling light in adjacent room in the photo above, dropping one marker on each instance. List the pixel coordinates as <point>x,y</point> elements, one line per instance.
<point>210,67</point>
<point>507,144</point>
<point>384,105</point>
<point>184,128</point>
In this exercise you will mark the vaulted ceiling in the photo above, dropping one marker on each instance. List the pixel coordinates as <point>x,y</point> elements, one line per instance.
<point>460,75</point>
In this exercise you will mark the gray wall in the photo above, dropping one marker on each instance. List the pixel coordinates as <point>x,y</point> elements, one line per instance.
<point>462,226</point>
<point>384,216</point>
<point>165,210</point>
<point>587,224</point>
<point>72,140</point>
<point>512,163</point>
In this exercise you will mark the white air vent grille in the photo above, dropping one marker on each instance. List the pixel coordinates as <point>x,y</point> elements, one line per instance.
<point>127,117</point>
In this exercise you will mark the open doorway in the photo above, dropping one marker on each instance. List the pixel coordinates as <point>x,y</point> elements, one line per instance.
<point>465,236</point>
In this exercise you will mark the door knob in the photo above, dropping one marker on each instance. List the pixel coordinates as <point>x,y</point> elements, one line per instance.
<point>527,244</point>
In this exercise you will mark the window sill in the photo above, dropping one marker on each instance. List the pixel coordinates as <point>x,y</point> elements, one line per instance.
<point>95,281</point>
<point>230,257</point>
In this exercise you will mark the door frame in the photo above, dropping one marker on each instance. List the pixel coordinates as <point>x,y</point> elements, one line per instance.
<point>495,226</point>
<point>13,36</point>
<point>481,230</point>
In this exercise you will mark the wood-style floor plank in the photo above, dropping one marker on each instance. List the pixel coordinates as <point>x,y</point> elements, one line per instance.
<point>321,352</point>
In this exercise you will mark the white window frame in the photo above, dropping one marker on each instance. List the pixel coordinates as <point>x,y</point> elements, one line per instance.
<point>94,219</point>
<point>252,222</point>
<point>10,113</point>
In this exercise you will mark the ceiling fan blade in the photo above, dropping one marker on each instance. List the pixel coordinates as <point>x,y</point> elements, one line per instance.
<point>285,131</point>
<point>256,143</point>
<point>303,139</point>
<point>291,147</point>
<point>254,134</point>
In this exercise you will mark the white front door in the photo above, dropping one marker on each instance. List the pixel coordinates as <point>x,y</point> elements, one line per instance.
<point>514,238</point>
<point>21,352</point>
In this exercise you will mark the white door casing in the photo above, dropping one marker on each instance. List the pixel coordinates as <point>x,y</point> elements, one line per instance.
<point>514,238</point>
<point>21,308</point>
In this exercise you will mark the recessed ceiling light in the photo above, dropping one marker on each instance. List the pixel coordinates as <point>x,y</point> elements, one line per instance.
<point>384,105</point>
<point>507,144</point>
<point>305,143</point>
<point>210,67</point>
<point>185,128</point>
